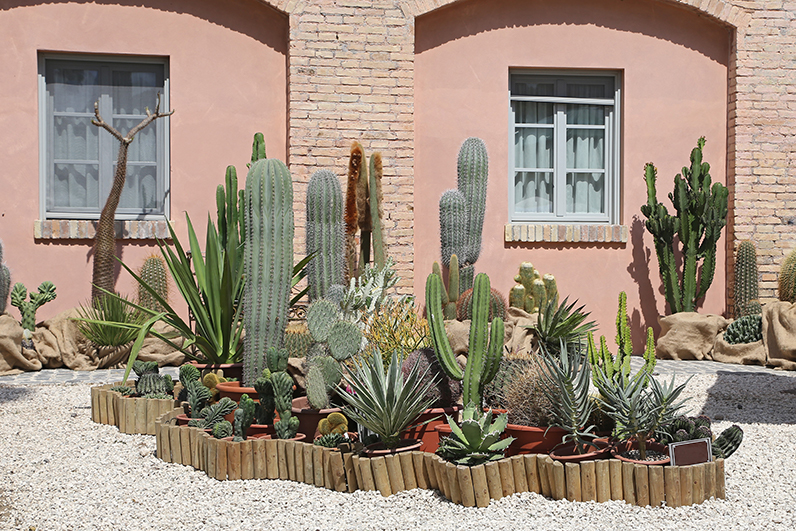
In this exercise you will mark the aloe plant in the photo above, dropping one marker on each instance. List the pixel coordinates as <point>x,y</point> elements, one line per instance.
<point>477,439</point>
<point>562,321</point>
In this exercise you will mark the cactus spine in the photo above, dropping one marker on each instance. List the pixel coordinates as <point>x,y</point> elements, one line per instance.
<point>485,352</point>
<point>154,274</point>
<point>701,214</point>
<point>5,282</point>
<point>324,233</point>
<point>27,309</point>
<point>787,278</point>
<point>746,290</point>
<point>268,261</point>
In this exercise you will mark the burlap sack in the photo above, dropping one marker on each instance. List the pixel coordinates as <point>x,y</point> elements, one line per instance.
<point>688,335</point>
<point>742,354</point>
<point>12,359</point>
<point>517,337</point>
<point>779,334</point>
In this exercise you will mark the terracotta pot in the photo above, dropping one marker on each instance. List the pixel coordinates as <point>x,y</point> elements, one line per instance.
<point>298,437</point>
<point>404,445</point>
<point>261,429</point>
<point>231,370</point>
<point>427,433</point>
<point>532,439</point>
<point>308,417</point>
<point>235,390</point>
<point>626,446</point>
<point>600,449</point>
<point>183,419</point>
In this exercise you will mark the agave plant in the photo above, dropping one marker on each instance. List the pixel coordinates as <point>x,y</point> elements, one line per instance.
<point>562,322</point>
<point>382,401</point>
<point>565,378</point>
<point>477,440</point>
<point>639,410</point>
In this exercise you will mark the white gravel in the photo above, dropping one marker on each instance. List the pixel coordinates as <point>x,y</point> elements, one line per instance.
<point>60,471</point>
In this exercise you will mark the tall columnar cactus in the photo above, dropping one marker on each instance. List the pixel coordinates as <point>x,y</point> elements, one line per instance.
<point>483,359</point>
<point>701,214</point>
<point>5,282</point>
<point>27,309</point>
<point>787,278</point>
<point>532,290</point>
<point>268,261</point>
<point>325,238</point>
<point>287,425</point>
<point>230,216</point>
<point>450,295</point>
<point>462,214</point>
<point>376,212</point>
<point>747,300</point>
<point>155,275</point>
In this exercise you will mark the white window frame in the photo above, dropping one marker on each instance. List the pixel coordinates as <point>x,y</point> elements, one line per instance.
<point>612,142</point>
<point>108,146</point>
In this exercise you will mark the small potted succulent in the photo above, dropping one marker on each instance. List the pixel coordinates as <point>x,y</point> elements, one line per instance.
<point>477,439</point>
<point>691,428</point>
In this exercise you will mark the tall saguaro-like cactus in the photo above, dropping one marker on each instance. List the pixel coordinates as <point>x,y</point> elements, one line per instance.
<point>746,292</point>
<point>268,261</point>
<point>5,282</point>
<point>462,211</point>
<point>325,237</point>
<point>701,214</point>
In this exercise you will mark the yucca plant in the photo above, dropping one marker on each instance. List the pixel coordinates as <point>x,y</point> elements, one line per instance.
<point>565,376</point>
<point>384,402</point>
<point>97,321</point>
<point>562,322</point>
<point>477,439</point>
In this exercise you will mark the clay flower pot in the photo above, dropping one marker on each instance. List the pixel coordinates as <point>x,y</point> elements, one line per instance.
<point>298,437</point>
<point>626,446</point>
<point>404,445</point>
<point>231,370</point>
<point>308,417</point>
<point>427,432</point>
<point>599,449</point>
<point>533,439</point>
<point>235,390</point>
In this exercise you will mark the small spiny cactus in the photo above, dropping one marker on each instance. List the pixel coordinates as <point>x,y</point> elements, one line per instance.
<point>153,272</point>
<point>787,278</point>
<point>5,282</point>
<point>747,329</point>
<point>497,305</point>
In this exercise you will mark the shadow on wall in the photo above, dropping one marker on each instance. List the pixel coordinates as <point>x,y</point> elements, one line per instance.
<point>751,398</point>
<point>249,17</point>
<point>648,17</point>
<point>641,270</point>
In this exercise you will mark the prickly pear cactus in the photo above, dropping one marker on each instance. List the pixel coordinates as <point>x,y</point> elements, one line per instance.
<point>27,309</point>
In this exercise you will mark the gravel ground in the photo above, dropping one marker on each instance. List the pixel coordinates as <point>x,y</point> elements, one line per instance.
<point>60,471</point>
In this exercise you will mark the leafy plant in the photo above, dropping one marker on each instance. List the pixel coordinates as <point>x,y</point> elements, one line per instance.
<point>96,321</point>
<point>562,322</point>
<point>384,402</point>
<point>477,440</point>
<point>396,327</point>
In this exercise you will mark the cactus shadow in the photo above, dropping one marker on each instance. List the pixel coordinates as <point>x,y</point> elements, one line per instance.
<point>11,394</point>
<point>641,272</point>
<point>750,397</point>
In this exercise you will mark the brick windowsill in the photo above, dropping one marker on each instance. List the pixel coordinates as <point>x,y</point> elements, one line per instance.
<point>83,229</point>
<point>565,233</point>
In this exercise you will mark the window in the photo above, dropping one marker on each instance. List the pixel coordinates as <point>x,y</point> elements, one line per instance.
<point>78,159</point>
<point>564,164</point>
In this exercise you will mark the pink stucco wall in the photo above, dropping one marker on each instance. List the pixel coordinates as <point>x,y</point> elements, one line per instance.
<point>674,65</point>
<point>227,64</point>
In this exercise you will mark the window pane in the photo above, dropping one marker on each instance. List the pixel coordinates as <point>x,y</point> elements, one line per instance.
<point>133,92</point>
<point>533,148</point>
<point>586,149</point>
<point>140,188</point>
<point>585,193</point>
<point>75,185</point>
<point>586,90</point>
<point>528,86</point>
<point>144,146</point>
<point>533,192</point>
<point>530,112</point>
<point>73,89</point>
<point>585,114</point>
<point>75,138</point>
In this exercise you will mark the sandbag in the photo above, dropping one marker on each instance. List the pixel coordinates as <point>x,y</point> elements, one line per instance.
<point>12,358</point>
<point>517,338</point>
<point>779,334</point>
<point>688,336</point>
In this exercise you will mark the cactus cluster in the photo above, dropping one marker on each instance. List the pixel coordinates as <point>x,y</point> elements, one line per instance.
<point>684,428</point>
<point>123,390</point>
<point>211,415</point>
<point>244,416</point>
<point>297,339</point>
<point>329,440</point>
<point>27,308</point>
<point>363,212</point>
<point>325,240</point>
<point>787,278</point>
<point>747,329</point>
<point>275,390</point>
<point>153,272</point>
<point>198,397</point>
<point>268,261</point>
<point>486,343</point>
<point>532,290</point>
<point>701,214</point>
<point>334,424</point>
<point>188,373</point>
<point>497,305</point>
<point>223,429</point>
<point>461,211</point>
<point>5,282</point>
<point>150,381</point>
<point>747,300</point>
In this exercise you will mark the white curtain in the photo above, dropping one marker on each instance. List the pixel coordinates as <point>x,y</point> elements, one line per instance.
<point>533,150</point>
<point>585,190</point>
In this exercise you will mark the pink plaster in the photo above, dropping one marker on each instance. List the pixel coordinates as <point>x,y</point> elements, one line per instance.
<point>674,65</point>
<point>227,64</point>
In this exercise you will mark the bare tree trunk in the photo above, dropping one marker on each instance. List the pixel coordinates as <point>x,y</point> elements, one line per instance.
<point>105,238</point>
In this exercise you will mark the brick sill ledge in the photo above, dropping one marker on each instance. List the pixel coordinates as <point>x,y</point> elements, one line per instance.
<point>565,233</point>
<point>85,229</point>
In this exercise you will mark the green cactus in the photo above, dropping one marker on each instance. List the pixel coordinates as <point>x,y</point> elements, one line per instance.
<point>329,440</point>
<point>727,442</point>
<point>497,305</point>
<point>450,295</point>
<point>701,214</point>
<point>787,278</point>
<point>244,416</point>
<point>325,237</point>
<point>747,300</point>
<point>266,406</point>
<point>153,272</point>
<point>5,282</point>
<point>376,211</point>
<point>321,316</point>
<point>149,383</point>
<point>747,329</point>
<point>223,429</point>
<point>230,210</point>
<point>213,414</point>
<point>198,396</point>
<point>268,261</point>
<point>27,309</point>
<point>123,390</point>
<point>188,373</point>
<point>483,359</point>
<point>297,339</point>
<point>287,425</point>
<point>145,367</point>
<point>258,149</point>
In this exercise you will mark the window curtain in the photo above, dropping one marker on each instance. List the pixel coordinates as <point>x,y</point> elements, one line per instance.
<point>585,190</point>
<point>533,150</point>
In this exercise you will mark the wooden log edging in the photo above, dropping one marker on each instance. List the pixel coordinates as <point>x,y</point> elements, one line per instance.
<point>130,414</point>
<point>469,486</point>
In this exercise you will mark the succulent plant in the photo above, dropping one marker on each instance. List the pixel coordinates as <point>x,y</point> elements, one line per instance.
<point>5,282</point>
<point>297,339</point>
<point>188,373</point>
<point>287,425</point>
<point>746,329</point>
<point>746,293</point>
<point>244,416</point>
<point>691,428</point>
<point>157,396</point>
<point>444,391</point>
<point>149,381</point>
<point>450,293</point>
<point>787,278</point>
<point>223,429</point>
<point>477,440</point>
<point>123,390</point>
<point>497,305</point>
<point>728,442</point>
<point>154,273</point>
<point>334,423</point>
<point>324,233</point>
<point>329,440</point>
<point>27,308</point>
<point>198,397</point>
<point>213,414</point>
<point>396,326</point>
<point>561,321</point>
<point>532,290</point>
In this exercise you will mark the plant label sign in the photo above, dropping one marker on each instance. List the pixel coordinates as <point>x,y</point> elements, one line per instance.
<point>690,452</point>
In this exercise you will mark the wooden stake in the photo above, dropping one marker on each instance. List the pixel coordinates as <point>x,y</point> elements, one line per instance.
<point>480,485</point>
<point>140,415</point>
<point>408,470</point>
<point>671,476</point>
<point>380,476</point>
<point>281,458</point>
<point>176,447</point>
<point>720,494</point>
<point>161,438</point>
<point>518,470</point>
<point>366,470</point>
<point>350,472</point>
<point>657,488</point>
<point>233,460</point>
<point>290,455</point>
<point>338,472</point>
<point>710,480</point>
<point>298,459</point>
<point>309,473</point>
<point>493,480</point>
<point>109,405</point>
<point>615,471</point>
<point>628,483</point>
<point>642,485</point>
<point>506,477</point>
<point>317,466</point>
<point>442,476</point>
<point>465,482</point>
<point>573,488</point>
<point>210,460</point>
<point>129,413</point>
<point>185,445</point>
<point>102,408</point>
<point>271,459</point>
<point>247,459</point>
<point>698,490</point>
<point>121,412</point>
<point>328,480</point>
<point>588,481</point>
<point>686,484</point>
<point>222,461</point>
<point>95,413</point>
<point>557,479</point>
<point>453,482</point>
<point>152,410</point>
<point>193,436</point>
<point>260,468</point>
<point>532,473</point>
<point>431,472</point>
<point>603,479</point>
<point>421,474</point>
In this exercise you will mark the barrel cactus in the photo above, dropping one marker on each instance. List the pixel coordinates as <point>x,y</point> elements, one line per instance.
<point>746,284</point>
<point>154,274</point>
<point>497,305</point>
<point>334,423</point>
<point>787,278</point>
